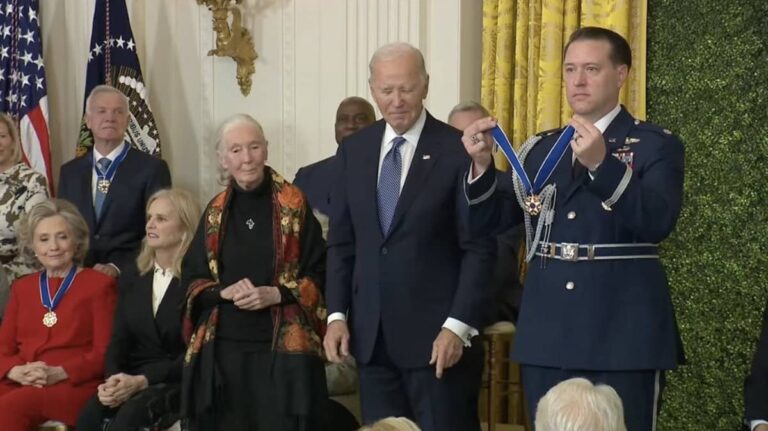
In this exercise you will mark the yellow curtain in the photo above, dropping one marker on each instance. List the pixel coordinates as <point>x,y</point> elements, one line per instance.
<point>523,42</point>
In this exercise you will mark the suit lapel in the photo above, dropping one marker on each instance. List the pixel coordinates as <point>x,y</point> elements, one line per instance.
<point>369,171</point>
<point>169,309</point>
<point>424,158</point>
<point>143,306</point>
<point>85,178</point>
<point>123,171</point>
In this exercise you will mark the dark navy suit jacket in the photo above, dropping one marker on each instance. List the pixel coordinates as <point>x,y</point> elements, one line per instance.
<point>316,181</point>
<point>618,314</point>
<point>117,236</point>
<point>428,268</point>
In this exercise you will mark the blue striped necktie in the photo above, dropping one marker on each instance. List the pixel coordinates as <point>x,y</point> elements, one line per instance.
<point>102,165</point>
<point>389,184</point>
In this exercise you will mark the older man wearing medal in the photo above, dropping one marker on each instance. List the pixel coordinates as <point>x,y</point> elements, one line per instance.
<point>111,184</point>
<point>57,325</point>
<point>599,195</point>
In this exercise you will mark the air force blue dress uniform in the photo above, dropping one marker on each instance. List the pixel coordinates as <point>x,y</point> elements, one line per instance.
<point>596,301</point>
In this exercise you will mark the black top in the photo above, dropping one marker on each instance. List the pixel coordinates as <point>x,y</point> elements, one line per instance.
<point>247,251</point>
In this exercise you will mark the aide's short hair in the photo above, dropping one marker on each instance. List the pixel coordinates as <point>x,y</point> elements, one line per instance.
<point>620,54</point>
<point>468,106</point>
<point>14,132</point>
<point>578,405</point>
<point>49,208</point>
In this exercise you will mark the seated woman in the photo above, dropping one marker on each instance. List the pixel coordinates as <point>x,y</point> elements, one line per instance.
<point>57,325</point>
<point>20,189</point>
<point>253,274</point>
<point>145,354</point>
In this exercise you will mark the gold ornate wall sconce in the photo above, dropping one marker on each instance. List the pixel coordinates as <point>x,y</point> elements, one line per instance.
<point>233,40</point>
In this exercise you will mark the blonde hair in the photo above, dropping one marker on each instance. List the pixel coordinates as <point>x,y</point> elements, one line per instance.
<point>578,405</point>
<point>188,210</point>
<point>392,424</point>
<point>14,132</point>
<point>50,208</point>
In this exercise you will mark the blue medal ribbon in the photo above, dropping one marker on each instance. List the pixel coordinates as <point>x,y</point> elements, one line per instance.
<point>532,190</point>
<point>109,174</point>
<point>45,293</point>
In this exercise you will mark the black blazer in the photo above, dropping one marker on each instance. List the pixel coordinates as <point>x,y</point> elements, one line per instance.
<point>426,269</point>
<point>142,343</point>
<point>117,236</point>
<point>316,181</point>
<point>756,384</point>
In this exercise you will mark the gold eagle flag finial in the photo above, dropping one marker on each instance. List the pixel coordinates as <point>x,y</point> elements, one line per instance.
<point>233,40</point>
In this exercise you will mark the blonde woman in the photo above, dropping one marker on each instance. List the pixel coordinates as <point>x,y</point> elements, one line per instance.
<point>145,353</point>
<point>20,189</point>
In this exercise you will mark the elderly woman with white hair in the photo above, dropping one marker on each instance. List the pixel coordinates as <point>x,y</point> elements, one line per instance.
<point>20,189</point>
<point>578,405</point>
<point>254,312</point>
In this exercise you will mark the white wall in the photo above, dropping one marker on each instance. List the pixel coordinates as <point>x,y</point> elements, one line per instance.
<point>312,54</point>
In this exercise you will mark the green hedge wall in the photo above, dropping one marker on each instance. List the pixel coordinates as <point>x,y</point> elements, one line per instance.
<point>708,82</point>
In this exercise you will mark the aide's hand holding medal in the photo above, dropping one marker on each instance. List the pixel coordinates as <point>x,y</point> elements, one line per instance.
<point>479,145</point>
<point>587,144</point>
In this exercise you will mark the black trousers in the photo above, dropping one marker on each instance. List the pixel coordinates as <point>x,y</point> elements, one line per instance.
<point>142,410</point>
<point>446,404</point>
<point>640,390</point>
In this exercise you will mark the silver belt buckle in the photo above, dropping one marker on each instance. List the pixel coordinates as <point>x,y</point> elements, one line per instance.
<point>569,251</point>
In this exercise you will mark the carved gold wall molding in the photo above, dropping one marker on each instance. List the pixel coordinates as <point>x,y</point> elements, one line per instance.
<point>233,40</point>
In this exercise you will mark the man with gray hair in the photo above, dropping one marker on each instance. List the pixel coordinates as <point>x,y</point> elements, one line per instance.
<point>466,113</point>
<point>407,287</point>
<point>111,183</point>
<point>578,405</point>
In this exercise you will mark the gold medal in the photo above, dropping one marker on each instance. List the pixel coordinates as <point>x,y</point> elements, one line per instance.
<point>50,319</point>
<point>532,204</point>
<point>103,185</point>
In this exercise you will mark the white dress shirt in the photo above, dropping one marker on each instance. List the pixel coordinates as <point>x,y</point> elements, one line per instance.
<point>96,157</point>
<point>160,283</point>
<point>407,150</point>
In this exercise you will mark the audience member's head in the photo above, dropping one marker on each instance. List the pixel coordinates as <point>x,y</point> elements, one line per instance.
<point>578,405</point>
<point>172,216</point>
<point>399,84</point>
<point>10,151</point>
<point>466,113</point>
<point>242,150</point>
<point>106,115</point>
<point>55,234</point>
<point>392,424</point>
<point>353,114</point>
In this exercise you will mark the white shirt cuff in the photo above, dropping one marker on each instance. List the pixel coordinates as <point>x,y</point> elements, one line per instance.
<point>753,424</point>
<point>461,329</point>
<point>337,316</point>
<point>114,266</point>
<point>471,173</point>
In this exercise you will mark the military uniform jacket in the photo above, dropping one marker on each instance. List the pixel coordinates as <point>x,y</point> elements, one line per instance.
<point>606,314</point>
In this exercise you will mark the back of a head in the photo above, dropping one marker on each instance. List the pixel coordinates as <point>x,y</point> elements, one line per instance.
<point>392,424</point>
<point>578,405</point>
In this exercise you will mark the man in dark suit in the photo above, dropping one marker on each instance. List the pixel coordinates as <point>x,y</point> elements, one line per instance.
<point>596,302</point>
<point>756,384</point>
<point>402,269</point>
<point>110,184</point>
<point>316,180</point>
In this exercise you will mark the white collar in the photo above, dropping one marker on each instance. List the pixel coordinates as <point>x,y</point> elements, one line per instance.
<point>603,123</point>
<point>112,154</point>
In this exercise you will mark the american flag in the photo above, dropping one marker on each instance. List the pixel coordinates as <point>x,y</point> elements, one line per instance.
<point>112,59</point>
<point>22,81</point>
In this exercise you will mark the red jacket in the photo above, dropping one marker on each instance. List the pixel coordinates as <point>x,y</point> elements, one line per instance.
<point>80,337</point>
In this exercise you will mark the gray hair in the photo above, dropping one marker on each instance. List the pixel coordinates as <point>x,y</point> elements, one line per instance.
<point>395,50</point>
<point>578,405</point>
<point>103,89</point>
<point>468,106</point>
<point>224,127</point>
<point>49,208</point>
